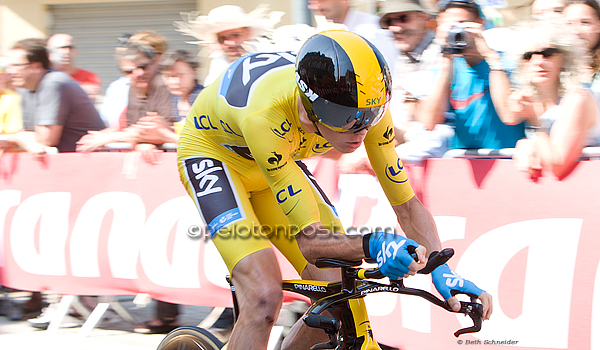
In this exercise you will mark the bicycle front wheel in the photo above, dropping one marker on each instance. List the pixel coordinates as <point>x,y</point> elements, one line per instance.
<point>190,338</point>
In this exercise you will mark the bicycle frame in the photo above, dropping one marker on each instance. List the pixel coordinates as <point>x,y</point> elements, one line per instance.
<point>345,299</point>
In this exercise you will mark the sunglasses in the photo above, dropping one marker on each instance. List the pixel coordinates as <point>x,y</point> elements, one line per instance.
<point>387,21</point>
<point>344,119</point>
<point>546,53</point>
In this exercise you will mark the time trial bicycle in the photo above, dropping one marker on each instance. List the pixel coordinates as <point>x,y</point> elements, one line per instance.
<point>350,328</point>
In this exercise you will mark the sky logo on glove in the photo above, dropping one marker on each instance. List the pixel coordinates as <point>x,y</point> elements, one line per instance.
<point>388,252</point>
<point>452,279</point>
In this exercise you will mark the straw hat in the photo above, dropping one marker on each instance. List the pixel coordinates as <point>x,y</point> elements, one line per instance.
<point>395,6</point>
<point>227,17</point>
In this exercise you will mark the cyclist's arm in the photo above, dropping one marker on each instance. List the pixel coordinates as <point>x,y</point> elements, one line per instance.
<point>417,223</point>
<point>316,242</point>
<point>414,219</point>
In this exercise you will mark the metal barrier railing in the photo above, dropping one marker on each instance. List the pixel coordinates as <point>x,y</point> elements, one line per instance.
<point>588,153</point>
<point>125,146</point>
<point>503,153</point>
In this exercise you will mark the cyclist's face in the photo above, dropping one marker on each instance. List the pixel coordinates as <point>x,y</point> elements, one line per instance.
<point>346,142</point>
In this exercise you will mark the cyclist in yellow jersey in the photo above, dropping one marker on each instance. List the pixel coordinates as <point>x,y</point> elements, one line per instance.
<point>239,159</point>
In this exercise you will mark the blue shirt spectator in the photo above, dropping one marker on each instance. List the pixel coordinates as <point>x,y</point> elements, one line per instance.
<point>476,121</point>
<point>462,86</point>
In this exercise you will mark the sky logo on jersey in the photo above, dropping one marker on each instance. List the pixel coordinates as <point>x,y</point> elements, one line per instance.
<point>217,201</point>
<point>205,177</point>
<point>396,173</point>
<point>320,148</point>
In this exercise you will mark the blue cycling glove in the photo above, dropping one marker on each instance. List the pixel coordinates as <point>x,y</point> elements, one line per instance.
<point>448,283</point>
<point>390,251</point>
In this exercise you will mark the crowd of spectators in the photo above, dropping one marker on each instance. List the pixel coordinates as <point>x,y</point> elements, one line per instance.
<point>456,85</point>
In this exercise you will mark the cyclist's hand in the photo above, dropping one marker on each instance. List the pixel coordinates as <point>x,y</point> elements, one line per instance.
<point>448,284</point>
<point>392,255</point>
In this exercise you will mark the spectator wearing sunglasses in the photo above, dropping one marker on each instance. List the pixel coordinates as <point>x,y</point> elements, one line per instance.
<point>148,97</point>
<point>470,74</point>
<point>62,51</point>
<point>553,98</point>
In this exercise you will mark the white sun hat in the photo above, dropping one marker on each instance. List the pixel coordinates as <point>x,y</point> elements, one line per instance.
<point>227,17</point>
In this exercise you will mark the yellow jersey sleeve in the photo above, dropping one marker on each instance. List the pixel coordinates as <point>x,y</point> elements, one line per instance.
<point>388,167</point>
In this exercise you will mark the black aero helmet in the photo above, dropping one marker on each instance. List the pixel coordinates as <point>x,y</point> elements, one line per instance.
<point>344,81</point>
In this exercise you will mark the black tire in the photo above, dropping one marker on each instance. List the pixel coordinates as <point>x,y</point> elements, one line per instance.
<point>190,338</point>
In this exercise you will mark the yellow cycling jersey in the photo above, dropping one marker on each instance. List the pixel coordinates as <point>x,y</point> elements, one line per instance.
<point>248,119</point>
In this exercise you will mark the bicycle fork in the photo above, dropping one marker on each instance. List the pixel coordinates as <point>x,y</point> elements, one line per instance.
<point>355,327</point>
<point>362,325</point>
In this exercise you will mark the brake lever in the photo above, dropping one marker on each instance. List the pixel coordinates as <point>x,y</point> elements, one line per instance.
<point>473,310</point>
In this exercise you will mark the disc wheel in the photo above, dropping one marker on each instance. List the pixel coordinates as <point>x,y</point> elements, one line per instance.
<point>190,338</point>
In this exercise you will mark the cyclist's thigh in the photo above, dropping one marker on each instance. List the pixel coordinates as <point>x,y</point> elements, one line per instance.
<point>276,224</point>
<point>222,200</point>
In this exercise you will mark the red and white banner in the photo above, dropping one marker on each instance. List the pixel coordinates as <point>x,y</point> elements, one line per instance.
<point>110,224</point>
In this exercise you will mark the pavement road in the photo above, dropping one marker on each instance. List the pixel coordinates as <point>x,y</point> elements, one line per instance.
<point>113,333</point>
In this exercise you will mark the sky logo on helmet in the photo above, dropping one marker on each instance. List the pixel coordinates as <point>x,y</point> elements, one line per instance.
<point>312,96</point>
<point>374,101</point>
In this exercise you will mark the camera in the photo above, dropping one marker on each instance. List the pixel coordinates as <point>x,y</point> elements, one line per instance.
<point>458,39</point>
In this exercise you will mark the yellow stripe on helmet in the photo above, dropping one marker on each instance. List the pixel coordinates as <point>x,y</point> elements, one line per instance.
<point>368,71</point>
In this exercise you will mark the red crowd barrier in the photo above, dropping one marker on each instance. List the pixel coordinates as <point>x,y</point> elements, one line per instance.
<point>110,224</point>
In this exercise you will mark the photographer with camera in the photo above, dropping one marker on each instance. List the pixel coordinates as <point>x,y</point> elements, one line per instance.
<point>469,74</point>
